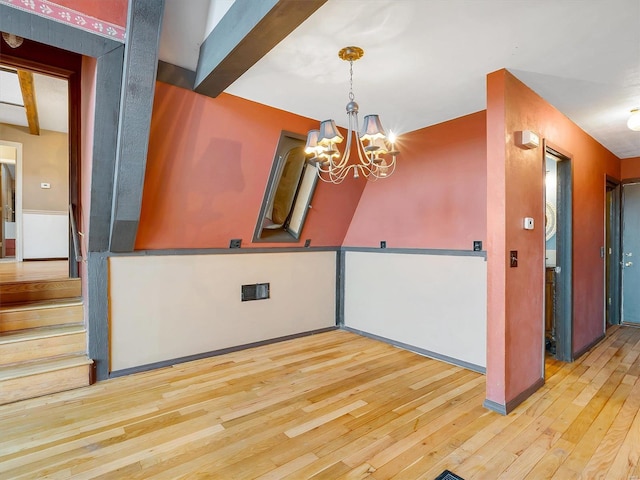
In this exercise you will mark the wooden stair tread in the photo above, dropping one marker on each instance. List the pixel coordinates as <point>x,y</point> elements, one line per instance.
<point>44,281</point>
<point>40,332</point>
<point>41,304</point>
<point>25,369</point>
<point>19,292</point>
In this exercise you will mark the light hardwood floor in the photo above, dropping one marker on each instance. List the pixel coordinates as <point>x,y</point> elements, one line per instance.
<point>33,270</point>
<point>333,406</point>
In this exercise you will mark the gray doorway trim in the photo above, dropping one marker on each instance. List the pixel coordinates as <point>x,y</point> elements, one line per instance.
<point>564,277</point>
<point>613,253</point>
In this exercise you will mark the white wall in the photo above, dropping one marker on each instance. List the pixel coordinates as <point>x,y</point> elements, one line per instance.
<point>166,307</point>
<point>46,234</point>
<point>433,302</point>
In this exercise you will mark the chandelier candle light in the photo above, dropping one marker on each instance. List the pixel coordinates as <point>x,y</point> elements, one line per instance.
<point>373,145</point>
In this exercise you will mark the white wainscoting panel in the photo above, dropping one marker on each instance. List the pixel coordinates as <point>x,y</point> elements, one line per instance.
<point>164,307</point>
<point>45,234</point>
<point>436,303</point>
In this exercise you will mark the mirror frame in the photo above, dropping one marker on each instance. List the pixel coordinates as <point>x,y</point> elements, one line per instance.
<point>301,204</point>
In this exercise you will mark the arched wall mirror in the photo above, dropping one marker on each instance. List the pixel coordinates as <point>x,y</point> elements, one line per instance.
<point>288,194</point>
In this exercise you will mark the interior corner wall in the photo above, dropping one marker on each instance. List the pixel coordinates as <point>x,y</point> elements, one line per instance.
<point>630,168</point>
<point>197,307</point>
<point>207,169</point>
<point>424,290</point>
<point>514,191</point>
<point>436,197</point>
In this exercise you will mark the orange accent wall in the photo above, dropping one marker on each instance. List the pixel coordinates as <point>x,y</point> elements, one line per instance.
<point>514,191</point>
<point>112,11</point>
<point>207,169</point>
<point>436,197</point>
<point>630,168</point>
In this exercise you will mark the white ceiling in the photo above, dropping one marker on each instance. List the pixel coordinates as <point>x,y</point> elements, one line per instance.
<point>52,102</point>
<point>426,61</point>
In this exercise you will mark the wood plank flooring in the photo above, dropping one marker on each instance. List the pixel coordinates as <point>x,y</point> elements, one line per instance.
<point>333,406</point>
<point>33,270</point>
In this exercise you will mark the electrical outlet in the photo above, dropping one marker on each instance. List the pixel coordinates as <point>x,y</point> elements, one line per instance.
<point>307,242</point>
<point>383,244</point>
<point>235,243</point>
<point>513,258</point>
<point>477,246</point>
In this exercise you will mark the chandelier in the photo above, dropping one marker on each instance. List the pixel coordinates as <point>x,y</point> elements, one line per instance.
<point>376,151</point>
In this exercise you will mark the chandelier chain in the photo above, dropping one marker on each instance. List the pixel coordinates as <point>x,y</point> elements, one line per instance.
<point>351,96</point>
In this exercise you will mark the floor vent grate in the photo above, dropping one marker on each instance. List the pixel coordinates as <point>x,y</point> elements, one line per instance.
<point>447,475</point>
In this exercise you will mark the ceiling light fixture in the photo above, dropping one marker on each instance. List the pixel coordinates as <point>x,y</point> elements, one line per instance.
<point>373,145</point>
<point>12,40</point>
<point>634,120</point>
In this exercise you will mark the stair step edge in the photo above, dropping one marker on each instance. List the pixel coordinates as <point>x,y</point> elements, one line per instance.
<point>37,333</point>
<point>41,304</point>
<point>27,369</point>
<point>41,281</point>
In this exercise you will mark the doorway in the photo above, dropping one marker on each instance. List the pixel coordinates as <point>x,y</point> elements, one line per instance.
<point>630,250</point>
<point>34,140</point>
<point>558,312</point>
<point>612,253</point>
<point>10,201</point>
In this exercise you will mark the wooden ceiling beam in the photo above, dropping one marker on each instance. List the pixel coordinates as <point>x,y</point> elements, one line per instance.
<point>29,98</point>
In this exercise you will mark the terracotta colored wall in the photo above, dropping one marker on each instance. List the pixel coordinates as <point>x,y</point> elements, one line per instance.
<point>515,186</point>
<point>112,11</point>
<point>436,197</point>
<point>630,168</point>
<point>207,170</point>
<point>87,114</point>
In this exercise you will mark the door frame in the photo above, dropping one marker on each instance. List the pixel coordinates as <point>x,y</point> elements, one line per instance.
<point>613,253</point>
<point>50,61</point>
<point>621,258</point>
<point>564,252</point>
<point>18,205</point>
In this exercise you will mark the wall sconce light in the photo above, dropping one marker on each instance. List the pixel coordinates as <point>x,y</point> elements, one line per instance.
<point>12,40</point>
<point>527,139</point>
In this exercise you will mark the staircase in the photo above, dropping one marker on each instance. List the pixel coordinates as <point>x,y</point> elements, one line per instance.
<point>43,341</point>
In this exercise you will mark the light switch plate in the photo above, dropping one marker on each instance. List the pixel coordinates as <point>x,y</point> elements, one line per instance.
<point>45,185</point>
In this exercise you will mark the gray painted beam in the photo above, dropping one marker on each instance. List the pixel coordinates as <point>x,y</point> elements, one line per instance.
<point>247,32</point>
<point>43,30</point>
<point>139,76</point>
<point>97,304</point>
<point>107,111</point>
<point>175,75</point>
